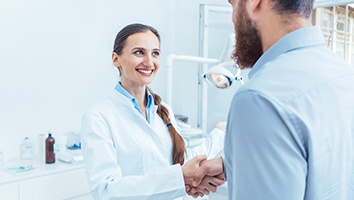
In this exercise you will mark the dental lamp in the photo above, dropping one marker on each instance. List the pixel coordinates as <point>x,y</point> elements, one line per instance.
<point>222,78</point>
<point>218,75</point>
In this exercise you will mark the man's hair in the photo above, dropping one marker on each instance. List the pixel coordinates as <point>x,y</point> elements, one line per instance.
<point>301,7</point>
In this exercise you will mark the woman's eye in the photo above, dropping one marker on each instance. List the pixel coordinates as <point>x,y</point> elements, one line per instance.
<point>156,53</point>
<point>139,52</point>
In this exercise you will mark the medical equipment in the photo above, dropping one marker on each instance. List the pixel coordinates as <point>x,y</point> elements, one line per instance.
<point>218,75</point>
<point>222,78</point>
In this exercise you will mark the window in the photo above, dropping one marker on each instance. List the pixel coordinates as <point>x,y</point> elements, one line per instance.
<point>337,27</point>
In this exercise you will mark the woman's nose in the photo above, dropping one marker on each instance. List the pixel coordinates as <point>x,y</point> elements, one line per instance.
<point>148,61</point>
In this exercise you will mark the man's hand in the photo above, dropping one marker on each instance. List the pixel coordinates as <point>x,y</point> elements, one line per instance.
<point>213,167</point>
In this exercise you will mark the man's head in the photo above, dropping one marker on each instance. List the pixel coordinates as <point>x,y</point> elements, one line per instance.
<point>297,7</point>
<point>250,25</point>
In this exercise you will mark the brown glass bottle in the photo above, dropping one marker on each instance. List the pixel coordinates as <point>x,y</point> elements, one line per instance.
<point>49,149</point>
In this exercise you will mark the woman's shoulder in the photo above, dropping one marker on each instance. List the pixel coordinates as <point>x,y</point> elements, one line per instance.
<point>109,102</point>
<point>103,106</point>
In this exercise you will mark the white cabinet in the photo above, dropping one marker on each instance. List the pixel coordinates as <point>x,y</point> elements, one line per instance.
<point>55,186</point>
<point>9,191</point>
<point>59,181</point>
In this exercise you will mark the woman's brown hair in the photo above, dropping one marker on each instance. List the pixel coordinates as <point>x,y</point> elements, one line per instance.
<point>178,145</point>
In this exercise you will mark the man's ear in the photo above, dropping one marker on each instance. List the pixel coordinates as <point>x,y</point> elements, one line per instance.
<point>255,7</point>
<point>254,4</point>
<point>115,59</point>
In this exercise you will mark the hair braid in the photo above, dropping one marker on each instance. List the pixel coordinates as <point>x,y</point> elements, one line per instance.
<point>179,147</point>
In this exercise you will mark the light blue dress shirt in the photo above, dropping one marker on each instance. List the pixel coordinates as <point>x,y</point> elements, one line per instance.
<point>150,99</point>
<point>290,130</point>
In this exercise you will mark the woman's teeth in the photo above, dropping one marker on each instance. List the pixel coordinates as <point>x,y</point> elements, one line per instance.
<point>145,71</point>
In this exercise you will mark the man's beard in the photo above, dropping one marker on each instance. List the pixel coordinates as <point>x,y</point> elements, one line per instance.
<point>248,43</point>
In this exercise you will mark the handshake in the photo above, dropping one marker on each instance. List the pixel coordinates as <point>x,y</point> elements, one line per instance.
<point>202,176</point>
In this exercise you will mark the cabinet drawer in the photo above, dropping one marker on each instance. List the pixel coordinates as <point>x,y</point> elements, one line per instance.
<point>9,191</point>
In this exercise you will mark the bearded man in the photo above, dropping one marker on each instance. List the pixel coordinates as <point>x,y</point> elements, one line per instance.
<point>290,129</point>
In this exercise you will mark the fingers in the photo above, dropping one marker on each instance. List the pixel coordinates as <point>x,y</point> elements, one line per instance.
<point>203,176</point>
<point>188,188</point>
<point>195,193</point>
<point>199,158</point>
<point>221,176</point>
<point>195,162</point>
<point>198,194</point>
<point>211,167</point>
<point>200,173</point>
<point>189,168</point>
<point>192,191</point>
<point>209,184</point>
<point>215,182</point>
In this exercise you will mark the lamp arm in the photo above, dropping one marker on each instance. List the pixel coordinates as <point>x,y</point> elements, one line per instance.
<point>173,57</point>
<point>170,60</point>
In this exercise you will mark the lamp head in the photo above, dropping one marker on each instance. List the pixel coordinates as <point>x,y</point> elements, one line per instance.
<point>220,77</point>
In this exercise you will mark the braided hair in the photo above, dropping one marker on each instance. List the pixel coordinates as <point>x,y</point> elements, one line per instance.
<point>178,148</point>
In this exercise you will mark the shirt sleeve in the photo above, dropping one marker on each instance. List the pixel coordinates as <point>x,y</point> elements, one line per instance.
<point>104,173</point>
<point>262,158</point>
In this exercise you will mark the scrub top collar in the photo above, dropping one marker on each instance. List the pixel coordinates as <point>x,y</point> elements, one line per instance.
<point>119,88</point>
<point>308,36</point>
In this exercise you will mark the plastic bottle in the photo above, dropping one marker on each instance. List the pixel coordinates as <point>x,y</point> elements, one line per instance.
<point>26,149</point>
<point>49,149</point>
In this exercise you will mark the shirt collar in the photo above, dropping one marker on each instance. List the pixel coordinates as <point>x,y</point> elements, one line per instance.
<point>304,37</point>
<point>119,88</point>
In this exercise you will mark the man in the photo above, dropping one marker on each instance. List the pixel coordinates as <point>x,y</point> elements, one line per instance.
<point>290,130</point>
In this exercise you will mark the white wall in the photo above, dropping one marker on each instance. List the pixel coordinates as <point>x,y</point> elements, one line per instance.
<point>55,58</point>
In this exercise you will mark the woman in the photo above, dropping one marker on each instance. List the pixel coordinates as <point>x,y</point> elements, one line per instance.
<point>131,147</point>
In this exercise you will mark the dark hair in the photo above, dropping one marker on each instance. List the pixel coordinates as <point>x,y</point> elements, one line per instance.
<point>128,30</point>
<point>178,148</point>
<point>302,7</point>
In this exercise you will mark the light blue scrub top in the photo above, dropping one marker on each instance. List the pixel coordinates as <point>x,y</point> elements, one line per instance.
<point>150,99</point>
<point>290,130</point>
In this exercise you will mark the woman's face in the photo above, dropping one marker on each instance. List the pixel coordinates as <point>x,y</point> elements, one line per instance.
<point>139,60</point>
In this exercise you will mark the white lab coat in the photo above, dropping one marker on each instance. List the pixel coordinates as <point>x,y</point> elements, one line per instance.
<point>126,158</point>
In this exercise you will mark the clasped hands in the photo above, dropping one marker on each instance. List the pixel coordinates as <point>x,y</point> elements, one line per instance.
<point>202,176</point>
